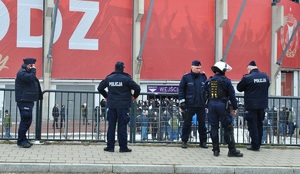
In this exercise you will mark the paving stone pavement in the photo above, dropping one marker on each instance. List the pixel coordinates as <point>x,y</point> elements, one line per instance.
<point>145,158</point>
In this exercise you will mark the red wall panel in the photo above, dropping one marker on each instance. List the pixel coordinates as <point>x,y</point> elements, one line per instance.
<point>179,32</point>
<point>252,40</point>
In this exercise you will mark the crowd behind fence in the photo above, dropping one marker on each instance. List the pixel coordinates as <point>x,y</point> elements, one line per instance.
<point>154,118</point>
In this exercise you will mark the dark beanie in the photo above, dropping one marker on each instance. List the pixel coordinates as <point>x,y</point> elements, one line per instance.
<point>252,63</point>
<point>29,61</point>
<point>119,66</point>
<point>196,63</point>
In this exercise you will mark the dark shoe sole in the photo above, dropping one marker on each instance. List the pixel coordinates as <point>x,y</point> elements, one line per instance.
<point>126,150</point>
<point>24,145</point>
<point>235,155</point>
<point>109,150</point>
<point>216,153</point>
<point>253,149</point>
<point>203,145</point>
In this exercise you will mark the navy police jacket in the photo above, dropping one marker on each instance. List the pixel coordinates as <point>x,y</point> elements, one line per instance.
<point>119,86</point>
<point>191,88</point>
<point>27,86</point>
<point>226,88</point>
<point>255,86</point>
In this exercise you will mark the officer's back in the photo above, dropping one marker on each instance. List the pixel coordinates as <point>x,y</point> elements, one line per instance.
<point>119,86</point>
<point>255,86</point>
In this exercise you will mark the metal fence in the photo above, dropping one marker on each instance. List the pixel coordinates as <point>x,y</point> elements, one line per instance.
<point>155,118</point>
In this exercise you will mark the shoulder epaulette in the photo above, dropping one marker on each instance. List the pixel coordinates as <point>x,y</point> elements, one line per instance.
<point>127,74</point>
<point>245,75</point>
<point>111,73</point>
<point>263,72</point>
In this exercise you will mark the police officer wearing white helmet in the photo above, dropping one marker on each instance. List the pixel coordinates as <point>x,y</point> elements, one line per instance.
<point>218,92</point>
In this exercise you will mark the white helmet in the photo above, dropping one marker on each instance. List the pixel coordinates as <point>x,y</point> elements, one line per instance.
<point>221,67</point>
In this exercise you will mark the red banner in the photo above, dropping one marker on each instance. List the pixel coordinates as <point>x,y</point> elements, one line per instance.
<point>252,40</point>
<point>20,35</point>
<point>179,32</point>
<point>292,17</point>
<point>94,36</point>
<point>91,36</point>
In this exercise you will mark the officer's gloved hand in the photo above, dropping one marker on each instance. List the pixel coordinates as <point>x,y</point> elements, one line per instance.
<point>182,104</point>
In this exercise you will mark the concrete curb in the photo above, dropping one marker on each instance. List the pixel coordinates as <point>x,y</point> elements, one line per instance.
<point>128,168</point>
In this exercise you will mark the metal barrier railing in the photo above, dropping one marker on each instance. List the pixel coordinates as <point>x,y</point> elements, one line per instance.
<point>155,118</point>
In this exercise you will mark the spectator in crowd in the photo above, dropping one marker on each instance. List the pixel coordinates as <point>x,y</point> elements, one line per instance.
<point>283,120</point>
<point>96,118</point>
<point>119,99</point>
<point>173,127</point>
<point>180,118</point>
<point>144,125</point>
<point>84,113</point>
<point>240,114</point>
<point>27,91</point>
<point>191,88</point>
<point>55,114</point>
<point>103,108</point>
<point>154,125</point>
<point>255,86</point>
<point>291,122</point>
<point>219,92</point>
<point>164,125</point>
<point>266,126</point>
<point>7,124</point>
<point>62,116</point>
<point>140,103</point>
<point>194,126</point>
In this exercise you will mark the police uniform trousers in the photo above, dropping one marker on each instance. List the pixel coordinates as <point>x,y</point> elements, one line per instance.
<point>254,118</point>
<point>186,129</point>
<point>219,113</point>
<point>119,115</point>
<point>25,109</point>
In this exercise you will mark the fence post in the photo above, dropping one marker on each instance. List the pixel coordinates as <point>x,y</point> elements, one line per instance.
<point>38,125</point>
<point>133,122</point>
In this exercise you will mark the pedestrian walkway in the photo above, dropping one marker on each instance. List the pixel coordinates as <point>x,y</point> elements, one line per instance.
<point>66,157</point>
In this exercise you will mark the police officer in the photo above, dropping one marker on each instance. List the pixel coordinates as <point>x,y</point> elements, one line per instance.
<point>218,92</point>
<point>255,86</point>
<point>27,90</point>
<point>119,98</point>
<point>191,102</point>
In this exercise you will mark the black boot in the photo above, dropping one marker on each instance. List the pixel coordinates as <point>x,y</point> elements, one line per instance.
<point>235,153</point>
<point>229,138</point>
<point>216,149</point>
<point>203,145</point>
<point>184,145</point>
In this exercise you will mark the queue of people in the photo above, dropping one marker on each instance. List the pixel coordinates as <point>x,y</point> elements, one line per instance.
<point>161,119</point>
